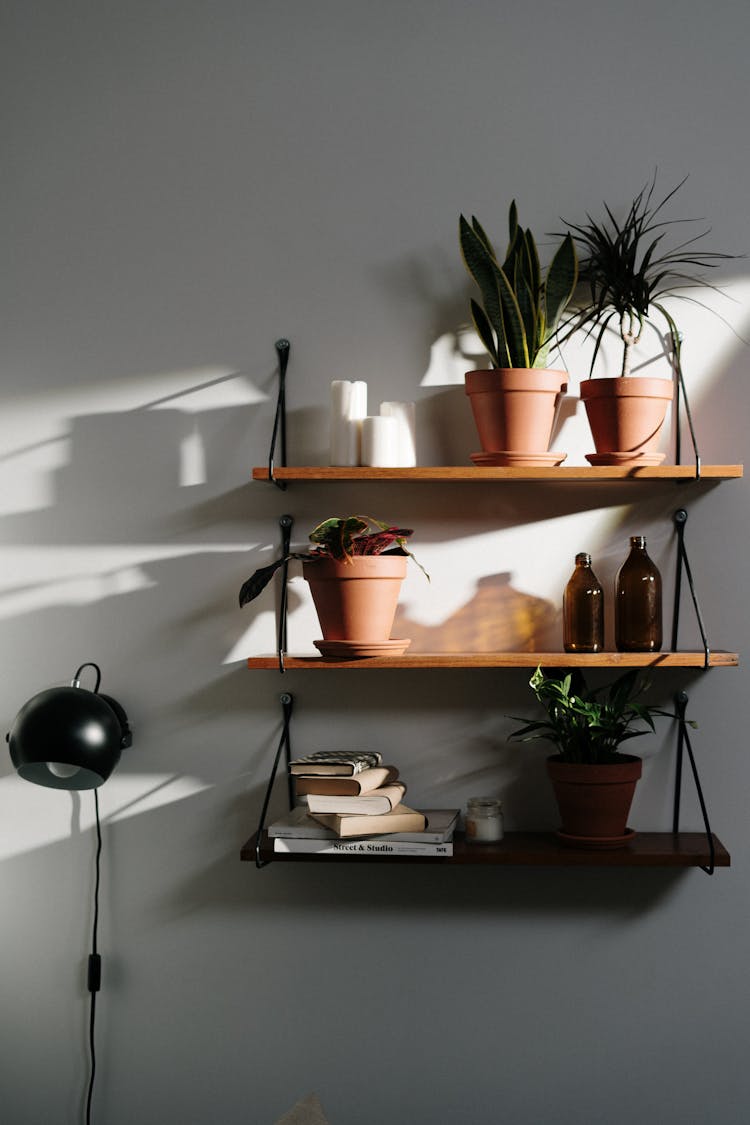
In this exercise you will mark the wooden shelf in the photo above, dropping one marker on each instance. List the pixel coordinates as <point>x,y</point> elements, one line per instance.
<point>474,473</point>
<point>535,849</point>
<point>717,659</point>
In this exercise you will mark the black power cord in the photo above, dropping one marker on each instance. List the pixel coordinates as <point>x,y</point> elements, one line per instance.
<point>94,966</point>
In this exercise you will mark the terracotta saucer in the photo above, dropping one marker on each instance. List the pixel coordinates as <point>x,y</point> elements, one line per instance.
<point>357,650</point>
<point>596,843</point>
<point>508,459</point>
<point>634,459</point>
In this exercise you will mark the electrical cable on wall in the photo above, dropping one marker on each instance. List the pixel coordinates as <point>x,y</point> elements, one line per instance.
<point>94,965</point>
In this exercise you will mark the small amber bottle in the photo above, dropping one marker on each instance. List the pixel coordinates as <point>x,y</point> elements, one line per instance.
<point>583,609</point>
<point>638,626</point>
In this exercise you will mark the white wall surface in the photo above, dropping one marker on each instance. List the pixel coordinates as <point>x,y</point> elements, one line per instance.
<point>182,184</point>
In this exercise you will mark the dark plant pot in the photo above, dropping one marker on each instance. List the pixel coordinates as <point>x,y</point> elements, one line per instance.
<point>514,408</point>
<point>594,801</point>
<point>626,416</point>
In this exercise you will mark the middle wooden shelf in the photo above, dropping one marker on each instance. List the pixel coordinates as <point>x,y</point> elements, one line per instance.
<point>692,659</point>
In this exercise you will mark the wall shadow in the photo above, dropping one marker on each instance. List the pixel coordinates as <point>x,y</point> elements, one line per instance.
<point>498,618</point>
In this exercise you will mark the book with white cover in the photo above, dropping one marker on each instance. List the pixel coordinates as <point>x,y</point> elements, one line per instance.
<point>298,825</point>
<point>374,845</point>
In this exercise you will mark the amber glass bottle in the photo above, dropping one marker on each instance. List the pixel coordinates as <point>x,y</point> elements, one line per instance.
<point>638,602</point>
<point>583,609</point>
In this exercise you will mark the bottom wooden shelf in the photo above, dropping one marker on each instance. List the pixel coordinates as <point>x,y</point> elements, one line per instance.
<point>536,849</point>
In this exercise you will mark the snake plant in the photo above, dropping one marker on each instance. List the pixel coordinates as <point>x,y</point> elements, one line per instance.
<point>520,311</point>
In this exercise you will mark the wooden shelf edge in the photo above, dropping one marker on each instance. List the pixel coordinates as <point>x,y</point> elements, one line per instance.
<point>717,659</point>
<point>476,473</point>
<point>535,849</point>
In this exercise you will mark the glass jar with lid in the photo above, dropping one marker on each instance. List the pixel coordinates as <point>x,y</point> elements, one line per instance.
<point>484,820</point>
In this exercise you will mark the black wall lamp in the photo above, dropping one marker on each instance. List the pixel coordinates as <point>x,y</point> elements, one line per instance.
<point>72,738</point>
<point>69,737</point>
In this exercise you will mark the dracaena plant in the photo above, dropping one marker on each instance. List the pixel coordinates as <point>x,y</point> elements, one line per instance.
<point>628,270</point>
<point>521,308</point>
<point>340,539</point>
<point>588,726</point>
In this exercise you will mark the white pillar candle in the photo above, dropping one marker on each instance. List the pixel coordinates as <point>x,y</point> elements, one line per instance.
<point>405,415</point>
<point>379,441</point>
<point>358,401</point>
<point>348,408</point>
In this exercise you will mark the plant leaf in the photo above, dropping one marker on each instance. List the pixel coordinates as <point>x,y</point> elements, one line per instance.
<point>484,331</point>
<point>513,323</point>
<point>562,278</point>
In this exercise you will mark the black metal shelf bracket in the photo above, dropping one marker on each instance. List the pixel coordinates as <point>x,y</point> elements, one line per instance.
<point>683,563</point>
<point>683,742</point>
<point>285,523</point>
<point>287,702</point>
<point>681,394</point>
<point>283,348</point>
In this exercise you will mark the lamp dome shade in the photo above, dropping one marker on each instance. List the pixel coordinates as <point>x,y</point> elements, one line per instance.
<point>68,738</point>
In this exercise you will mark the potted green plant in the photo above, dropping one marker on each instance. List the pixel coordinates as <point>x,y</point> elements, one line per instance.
<point>594,782</point>
<point>628,271</point>
<point>514,402</point>
<point>354,569</point>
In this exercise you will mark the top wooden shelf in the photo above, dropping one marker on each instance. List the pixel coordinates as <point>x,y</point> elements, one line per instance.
<point>562,473</point>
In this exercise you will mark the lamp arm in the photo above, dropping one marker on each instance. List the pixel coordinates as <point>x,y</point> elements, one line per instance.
<point>77,676</point>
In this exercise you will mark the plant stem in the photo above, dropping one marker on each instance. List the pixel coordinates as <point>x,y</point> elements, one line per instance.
<point>629,338</point>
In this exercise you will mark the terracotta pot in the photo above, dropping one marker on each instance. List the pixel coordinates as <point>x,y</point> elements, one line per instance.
<point>594,801</point>
<point>626,416</point>
<point>356,600</point>
<point>514,407</point>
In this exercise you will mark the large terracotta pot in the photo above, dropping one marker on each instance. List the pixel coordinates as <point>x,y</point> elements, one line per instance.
<point>626,416</point>
<point>594,800</point>
<point>356,600</point>
<point>514,408</point>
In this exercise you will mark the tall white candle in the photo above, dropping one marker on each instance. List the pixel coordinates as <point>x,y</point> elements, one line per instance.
<point>405,415</point>
<point>358,401</point>
<point>379,441</point>
<point>348,408</point>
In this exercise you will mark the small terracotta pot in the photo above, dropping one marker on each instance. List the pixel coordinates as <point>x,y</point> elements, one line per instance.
<point>356,600</point>
<point>594,800</point>
<point>514,407</point>
<point>626,415</point>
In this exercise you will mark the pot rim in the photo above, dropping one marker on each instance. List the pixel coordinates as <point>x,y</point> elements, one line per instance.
<point>627,771</point>
<point>627,386</point>
<point>387,566</point>
<point>623,759</point>
<point>488,379</point>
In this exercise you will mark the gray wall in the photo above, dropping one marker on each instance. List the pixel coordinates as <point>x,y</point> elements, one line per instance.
<point>182,184</point>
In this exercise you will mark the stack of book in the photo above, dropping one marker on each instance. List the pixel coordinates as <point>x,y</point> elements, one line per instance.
<point>352,802</point>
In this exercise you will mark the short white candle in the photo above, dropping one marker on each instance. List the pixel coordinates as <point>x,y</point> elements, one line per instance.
<point>379,441</point>
<point>405,415</point>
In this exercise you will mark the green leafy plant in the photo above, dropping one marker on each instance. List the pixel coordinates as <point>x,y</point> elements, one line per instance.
<point>341,539</point>
<point>628,271</point>
<point>588,726</point>
<point>521,310</point>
